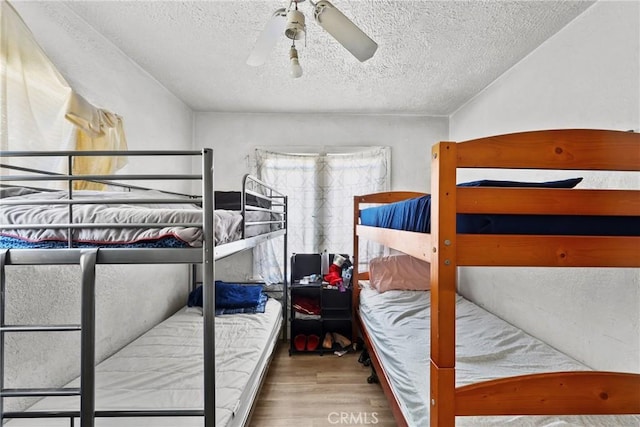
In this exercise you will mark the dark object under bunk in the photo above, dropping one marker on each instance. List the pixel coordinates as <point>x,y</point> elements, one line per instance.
<point>366,361</point>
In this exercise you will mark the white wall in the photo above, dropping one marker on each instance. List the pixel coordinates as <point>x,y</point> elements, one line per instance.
<point>586,76</point>
<point>130,299</point>
<point>235,136</point>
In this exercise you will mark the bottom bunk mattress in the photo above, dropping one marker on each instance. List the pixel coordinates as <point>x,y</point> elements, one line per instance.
<point>397,323</point>
<point>163,369</point>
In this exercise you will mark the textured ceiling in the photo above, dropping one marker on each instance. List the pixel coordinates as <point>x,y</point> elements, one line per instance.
<point>433,56</point>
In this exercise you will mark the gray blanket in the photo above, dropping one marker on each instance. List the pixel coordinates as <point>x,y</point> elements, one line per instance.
<point>137,212</point>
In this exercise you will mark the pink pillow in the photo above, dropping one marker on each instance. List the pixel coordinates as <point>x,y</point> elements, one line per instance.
<point>401,272</point>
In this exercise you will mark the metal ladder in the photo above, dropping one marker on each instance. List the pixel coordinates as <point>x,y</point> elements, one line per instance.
<point>86,391</point>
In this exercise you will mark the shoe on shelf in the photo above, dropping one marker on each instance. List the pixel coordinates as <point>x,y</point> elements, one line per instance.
<point>328,341</point>
<point>300,342</point>
<point>312,342</point>
<point>342,340</point>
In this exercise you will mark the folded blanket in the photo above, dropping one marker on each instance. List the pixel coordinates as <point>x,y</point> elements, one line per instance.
<point>229,296</point>
<point>306,305</point>
<point>232,295</point>
<point>260,308</point>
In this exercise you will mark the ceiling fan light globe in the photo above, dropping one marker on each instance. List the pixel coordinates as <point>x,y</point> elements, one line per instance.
<point>296,69</point>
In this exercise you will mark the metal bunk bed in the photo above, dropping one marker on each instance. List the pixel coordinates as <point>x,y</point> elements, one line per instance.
<point>204,252</point>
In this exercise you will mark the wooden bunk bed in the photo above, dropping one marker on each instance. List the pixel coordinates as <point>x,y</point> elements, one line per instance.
<point>446,249</point>
<point>198,221</point>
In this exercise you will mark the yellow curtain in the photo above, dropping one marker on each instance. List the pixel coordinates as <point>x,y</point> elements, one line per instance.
<point>39,111</point>
<point>110,137</point>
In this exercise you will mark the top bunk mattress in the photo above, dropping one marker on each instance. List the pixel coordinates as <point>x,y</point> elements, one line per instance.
<point>487,347</point>
<point>228,223</point>
<point>415,215</point>
<point>163,370</point>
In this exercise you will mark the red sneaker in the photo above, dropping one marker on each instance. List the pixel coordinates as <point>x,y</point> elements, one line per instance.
<point>312,342</point>
<point>300,342</point>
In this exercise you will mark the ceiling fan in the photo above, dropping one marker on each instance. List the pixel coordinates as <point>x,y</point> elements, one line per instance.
<point>291,22</point>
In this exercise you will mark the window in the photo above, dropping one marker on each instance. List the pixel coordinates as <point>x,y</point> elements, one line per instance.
<point>320,188</point>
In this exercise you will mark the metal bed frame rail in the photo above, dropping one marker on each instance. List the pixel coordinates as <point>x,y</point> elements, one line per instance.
<point>88,258</point>
<point>278,217</point>
<point>252,186</point>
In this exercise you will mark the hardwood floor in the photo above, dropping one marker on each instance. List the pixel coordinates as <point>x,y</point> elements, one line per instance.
<point>309,390</point>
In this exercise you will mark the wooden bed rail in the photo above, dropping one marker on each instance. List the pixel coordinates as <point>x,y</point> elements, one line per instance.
<point>410,242</point>
<point>555,393</point>
<point>568,149</point>
<point>547,251</point>
<point>387,197</point>
<point>552,201</point>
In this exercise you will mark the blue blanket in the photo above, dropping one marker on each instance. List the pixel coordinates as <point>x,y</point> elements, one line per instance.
<point>415,215</point>
<point>260,308</point>
<point>230,296</point>
<point>410,215</point>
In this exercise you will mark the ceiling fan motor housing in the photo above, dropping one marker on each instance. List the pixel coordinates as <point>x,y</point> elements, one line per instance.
<point>295,25</point>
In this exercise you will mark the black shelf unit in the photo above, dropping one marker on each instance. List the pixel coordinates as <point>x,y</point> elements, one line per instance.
<point>335,306</point>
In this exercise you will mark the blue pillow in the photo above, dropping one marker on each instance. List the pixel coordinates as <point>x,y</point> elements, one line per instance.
<point>566,183</point>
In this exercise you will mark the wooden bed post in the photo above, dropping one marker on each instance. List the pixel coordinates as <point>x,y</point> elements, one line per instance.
<point>443,284</point>
<point>355,288</point>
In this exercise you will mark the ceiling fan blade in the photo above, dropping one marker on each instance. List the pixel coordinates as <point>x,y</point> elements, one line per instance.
<point>344,31</point>
<point>268,38</point>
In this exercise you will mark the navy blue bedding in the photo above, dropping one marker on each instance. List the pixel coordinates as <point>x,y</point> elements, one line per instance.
<point>409,215</point>
<point>233,295</point>
<point>415,215</point>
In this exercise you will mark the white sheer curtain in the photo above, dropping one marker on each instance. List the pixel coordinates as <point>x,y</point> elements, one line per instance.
<point>320,188</point>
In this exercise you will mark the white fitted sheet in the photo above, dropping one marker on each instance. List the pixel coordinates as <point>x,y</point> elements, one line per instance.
<point>163,370</point>
<point>487,347</point>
